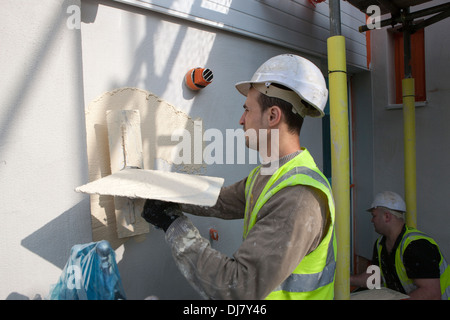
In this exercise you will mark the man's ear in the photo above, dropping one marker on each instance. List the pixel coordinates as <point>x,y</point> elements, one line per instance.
<point>387,216</point>
<point>275,115</point>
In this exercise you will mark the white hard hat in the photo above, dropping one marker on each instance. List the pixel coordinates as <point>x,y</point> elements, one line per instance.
<point>298,74</point>
<point>390,200</point>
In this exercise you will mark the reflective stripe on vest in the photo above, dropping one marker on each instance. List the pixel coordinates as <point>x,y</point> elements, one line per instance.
<point>412,234</point>
<point>310,282</point>
<point>318,282</point>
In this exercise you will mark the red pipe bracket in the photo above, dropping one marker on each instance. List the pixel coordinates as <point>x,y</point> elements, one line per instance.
<point>214,234</point>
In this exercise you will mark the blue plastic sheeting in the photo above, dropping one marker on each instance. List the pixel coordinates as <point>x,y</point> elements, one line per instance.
<point>91,273</point>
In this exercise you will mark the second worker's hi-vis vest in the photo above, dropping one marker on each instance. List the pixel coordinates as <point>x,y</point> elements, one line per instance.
<point>412,234</point>
<point>313,278</point>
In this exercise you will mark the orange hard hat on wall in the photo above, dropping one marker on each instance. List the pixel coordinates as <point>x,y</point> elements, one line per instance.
<point>198,78</point>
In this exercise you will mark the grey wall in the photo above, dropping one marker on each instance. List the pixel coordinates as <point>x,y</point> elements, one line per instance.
<point>362,162</point>
<point>297,25</point>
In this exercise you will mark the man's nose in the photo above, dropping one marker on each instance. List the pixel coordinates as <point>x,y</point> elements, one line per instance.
<point>241,121</point>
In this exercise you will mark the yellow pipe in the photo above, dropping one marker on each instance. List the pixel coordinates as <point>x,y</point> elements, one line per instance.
<point>409,133</point>
<point>339,129</point>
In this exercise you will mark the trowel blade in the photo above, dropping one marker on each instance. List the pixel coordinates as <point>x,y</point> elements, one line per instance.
<point>156,184</point>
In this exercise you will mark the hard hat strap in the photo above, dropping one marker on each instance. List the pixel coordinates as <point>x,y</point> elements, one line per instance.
<point>398,214</point>
<point>287,95</point>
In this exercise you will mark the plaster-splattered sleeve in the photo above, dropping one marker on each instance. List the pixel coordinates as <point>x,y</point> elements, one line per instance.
<point>230,203</point>
<point>288,227</point>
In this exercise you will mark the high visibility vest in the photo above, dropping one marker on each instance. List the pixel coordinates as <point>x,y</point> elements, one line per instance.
<point>412,234</point>
<point>313,278</point>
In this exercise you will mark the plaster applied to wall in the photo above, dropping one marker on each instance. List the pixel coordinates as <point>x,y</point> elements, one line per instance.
<point>159,122</point>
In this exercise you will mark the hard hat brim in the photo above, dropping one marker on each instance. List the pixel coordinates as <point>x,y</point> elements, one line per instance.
<point>244,86</point>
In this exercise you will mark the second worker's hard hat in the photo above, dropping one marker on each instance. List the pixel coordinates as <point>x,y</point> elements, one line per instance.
<point>390,200</point>
<point>298,74</point>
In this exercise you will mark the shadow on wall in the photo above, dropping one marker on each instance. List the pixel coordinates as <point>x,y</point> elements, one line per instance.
<point>151,262</point>
<point>54,240</point>
<point>18,296</point>
<point>13,108</point>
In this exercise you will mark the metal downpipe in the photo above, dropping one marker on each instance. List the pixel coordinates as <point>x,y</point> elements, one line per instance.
<point>340,160</point>
<point>409,132</point>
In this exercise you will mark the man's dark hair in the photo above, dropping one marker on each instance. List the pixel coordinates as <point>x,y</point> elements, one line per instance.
<point>293,120</point>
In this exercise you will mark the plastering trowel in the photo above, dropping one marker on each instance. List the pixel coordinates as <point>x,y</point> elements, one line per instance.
<point>160,185</point>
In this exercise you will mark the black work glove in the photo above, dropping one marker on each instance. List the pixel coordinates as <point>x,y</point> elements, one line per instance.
<point>161,214</point>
